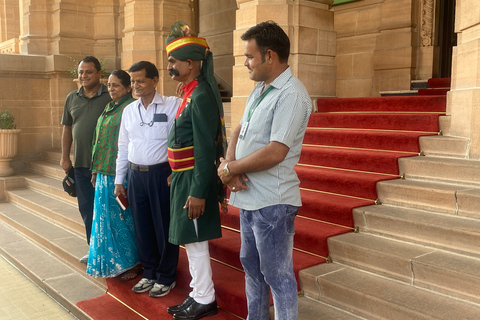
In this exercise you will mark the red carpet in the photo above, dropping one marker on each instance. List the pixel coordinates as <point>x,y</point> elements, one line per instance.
<point>436,86</point>
<point>349,146</point>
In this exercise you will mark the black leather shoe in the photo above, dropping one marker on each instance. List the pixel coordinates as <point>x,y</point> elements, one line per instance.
<point>197,311</point>
<point>182,306</point>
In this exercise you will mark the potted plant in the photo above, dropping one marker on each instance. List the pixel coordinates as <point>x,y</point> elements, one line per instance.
<point>8,142</point>
<point>73,71</point>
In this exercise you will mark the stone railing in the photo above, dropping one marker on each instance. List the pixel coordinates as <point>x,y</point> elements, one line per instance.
<point>10,46</point>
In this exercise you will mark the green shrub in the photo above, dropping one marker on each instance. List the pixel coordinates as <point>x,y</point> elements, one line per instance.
<point>6,120</point>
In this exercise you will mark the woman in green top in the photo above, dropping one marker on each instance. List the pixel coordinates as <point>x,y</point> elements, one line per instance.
<point>113,249</point>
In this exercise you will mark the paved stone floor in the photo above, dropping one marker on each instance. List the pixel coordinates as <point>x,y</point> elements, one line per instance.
<point>22,299</point>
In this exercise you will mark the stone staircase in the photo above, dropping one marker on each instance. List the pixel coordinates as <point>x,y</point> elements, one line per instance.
<point>417,254</point>
<point>43,235</point>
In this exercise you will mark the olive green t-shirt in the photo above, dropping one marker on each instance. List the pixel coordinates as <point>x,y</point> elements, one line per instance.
<point>82,113</point>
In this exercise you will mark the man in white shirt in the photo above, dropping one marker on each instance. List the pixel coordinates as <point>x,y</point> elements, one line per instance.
<point>142,160</point>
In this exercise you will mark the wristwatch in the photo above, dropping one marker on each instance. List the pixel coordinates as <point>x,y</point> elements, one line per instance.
<point>226,172</point>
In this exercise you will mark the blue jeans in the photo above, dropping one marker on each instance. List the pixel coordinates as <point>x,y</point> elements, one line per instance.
<point>266,256</point>
<point>85,197</point>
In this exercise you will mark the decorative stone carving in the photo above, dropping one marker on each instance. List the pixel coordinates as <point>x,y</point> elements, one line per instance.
<point>426,32</point>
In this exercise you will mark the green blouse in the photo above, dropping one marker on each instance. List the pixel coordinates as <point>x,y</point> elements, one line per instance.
<point>105,137</point>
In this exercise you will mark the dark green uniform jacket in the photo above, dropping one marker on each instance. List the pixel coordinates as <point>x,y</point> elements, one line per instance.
<point>196,126</point>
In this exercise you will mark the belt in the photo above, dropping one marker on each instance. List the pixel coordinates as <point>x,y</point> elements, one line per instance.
<point>139,167</point>
<point>181,159</point>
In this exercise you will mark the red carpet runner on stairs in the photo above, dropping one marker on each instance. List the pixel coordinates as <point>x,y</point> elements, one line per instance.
<point>349,146</point>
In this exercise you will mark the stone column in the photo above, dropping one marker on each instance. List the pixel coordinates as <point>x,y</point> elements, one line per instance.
<point>9,20</point>
<point>34,35</point>
<point>393,60</point>
<point>309,25</point>
<point>463,101</point>
<point>147,24</point>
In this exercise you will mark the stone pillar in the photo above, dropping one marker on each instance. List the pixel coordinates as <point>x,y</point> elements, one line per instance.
<point>463,103</point>
<point>216,24</point>
<point>393,60</point>
<point>309,25</point>
<point>147,24</point>
<point>34,36</point>
<point>9,20</point>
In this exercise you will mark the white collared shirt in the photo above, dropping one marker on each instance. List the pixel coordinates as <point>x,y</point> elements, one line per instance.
<point>144,144</point>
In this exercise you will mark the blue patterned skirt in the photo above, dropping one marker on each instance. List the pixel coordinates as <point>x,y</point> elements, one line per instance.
<point>113,248</point>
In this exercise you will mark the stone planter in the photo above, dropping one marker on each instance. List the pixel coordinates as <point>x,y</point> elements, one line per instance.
<point>8,149</point>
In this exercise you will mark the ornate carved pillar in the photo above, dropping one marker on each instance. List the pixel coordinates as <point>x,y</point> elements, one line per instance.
<point>309,25</point>
<point>147,24</point>
<point>425,62</point>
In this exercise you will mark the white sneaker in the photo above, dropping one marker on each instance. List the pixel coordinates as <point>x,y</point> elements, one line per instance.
<point>84,259</point>
<point>143,285</point>
<point>160,290</point>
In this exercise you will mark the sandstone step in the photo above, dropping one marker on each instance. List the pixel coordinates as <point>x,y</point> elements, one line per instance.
<point>427,267</point>
<point>449,170</point>
<point>444,123</point>
<point>65,244</point>
<point>375,297</point>
<point>49,185</point>
<point>468,203</point>
<point>448,232</point>
<point>59,280</point>
<point>309,309</point>
<point>46,167</point>
<point>53,155</point>
<point>54,210</point>
<point>438,197</point>
<point>376,254</point>
<point>444,146</point>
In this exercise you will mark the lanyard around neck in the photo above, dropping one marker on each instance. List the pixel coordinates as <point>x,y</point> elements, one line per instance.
<point>147,123</point>
<point>253,108</point>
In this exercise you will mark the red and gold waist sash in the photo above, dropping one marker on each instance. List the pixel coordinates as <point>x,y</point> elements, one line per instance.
<point>181,159</point>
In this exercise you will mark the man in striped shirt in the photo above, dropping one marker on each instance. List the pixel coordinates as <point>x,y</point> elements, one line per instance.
<point>259,170</point>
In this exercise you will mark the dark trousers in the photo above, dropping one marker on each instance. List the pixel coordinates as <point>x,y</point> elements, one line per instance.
<point>85,197</point>
<point>149,198</point>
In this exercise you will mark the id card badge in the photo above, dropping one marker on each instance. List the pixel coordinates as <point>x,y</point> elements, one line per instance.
<point>243,131</point>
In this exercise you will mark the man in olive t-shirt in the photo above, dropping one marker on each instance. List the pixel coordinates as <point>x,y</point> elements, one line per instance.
<point>81,111</point>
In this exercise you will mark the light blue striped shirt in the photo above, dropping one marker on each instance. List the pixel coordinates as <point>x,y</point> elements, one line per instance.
<point>281,116</point>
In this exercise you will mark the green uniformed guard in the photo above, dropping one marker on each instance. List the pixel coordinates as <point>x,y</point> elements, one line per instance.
<point>196,142</point>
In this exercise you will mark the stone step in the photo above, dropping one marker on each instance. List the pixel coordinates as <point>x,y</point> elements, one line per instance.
<point>67,245</point>
<point>418,84</point>
<point>309,309</point>
<point>59,280</point>
<point>46,167</point>
<point>444,124</point>
<point>444,146</point>
<point>375,297</point>
<point>449,170</point>
<point>53,155</point>
<point>430,268</point>
<point>49,185</point>
<point>426,195</point>
<point>54,210</point>
<point>448,232</point>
